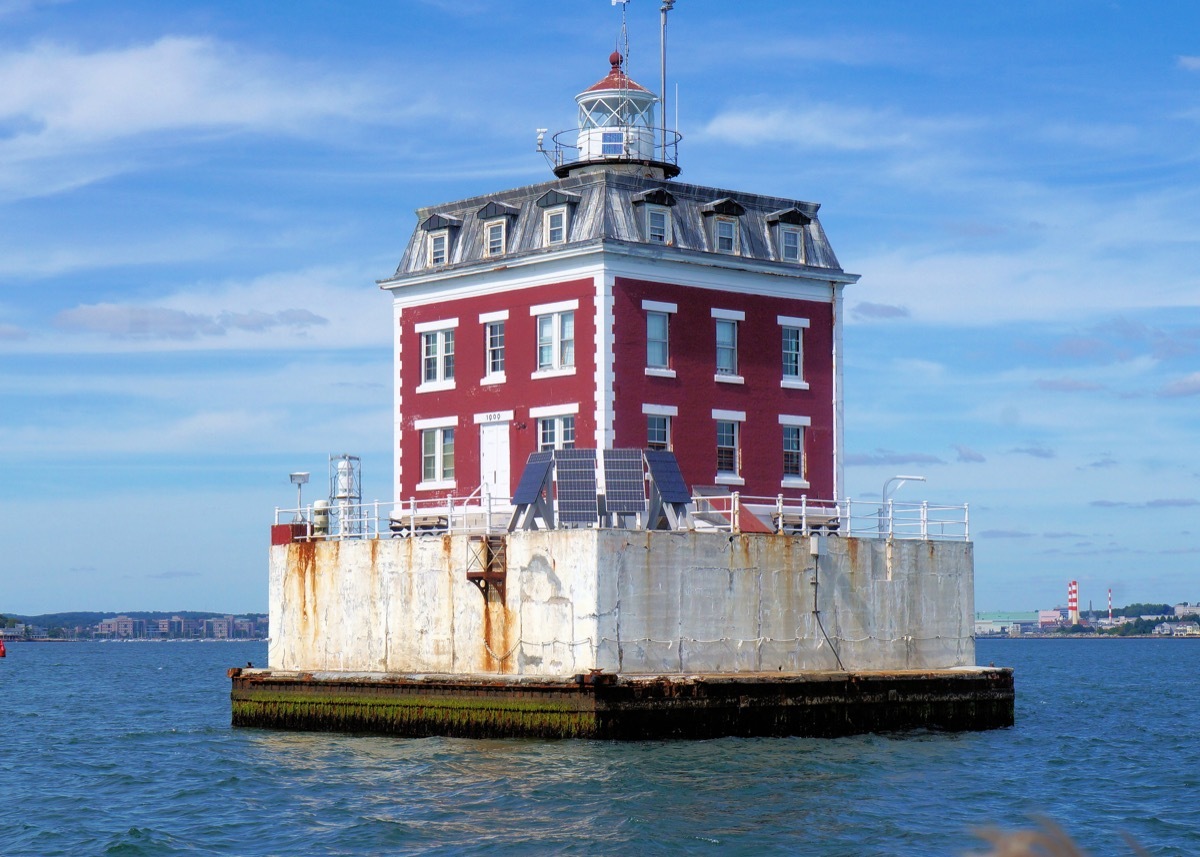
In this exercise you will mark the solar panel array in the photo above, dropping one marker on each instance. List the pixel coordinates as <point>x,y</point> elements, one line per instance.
<point>532,479</point>
<point>576,470</point>
<point>664,470</point>
<point>624,482</point>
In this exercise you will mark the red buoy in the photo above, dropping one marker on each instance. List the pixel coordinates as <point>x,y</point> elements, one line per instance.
<point>3,651</point>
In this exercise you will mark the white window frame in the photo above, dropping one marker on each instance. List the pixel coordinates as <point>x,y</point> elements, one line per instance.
<point>654,343</point>
<point>651,212</point>
<point>735,419</point>
<point>787,421</point>
<point>557,343</point>
<point>790,381</point>
<point>548,230</point>
<point>488,227</point>
<point>558,418</point>
<point>669,309</point>
<point>796,231</point>
<point>667,414</point>
<point>734,318</point>
<point>441,334</point>
<point>431,241</point>
<point>437,429</point>
<point>734,236</point>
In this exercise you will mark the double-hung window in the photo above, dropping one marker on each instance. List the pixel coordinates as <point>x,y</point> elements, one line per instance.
<point>438,247</point>
<point>658,224</point>
<point>437,452</point>
<point>729,451</point>
<point>793,451</point>
<point>792,332</point>
<point>495,347</point>
<point>658,425</point>
<point>437,455</point>
<point>657,352</point>
<point>791,244</point>
<point>556,225</point>
<point>795,465</point>
<point>494,238</point>
<point>726,235</point>
<point>727,321</point>
<point>726,347</point>
<point>556,341</point>
<point>437,356</point>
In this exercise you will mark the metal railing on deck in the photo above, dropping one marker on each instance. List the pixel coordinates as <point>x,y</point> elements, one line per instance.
<point>481,513</point>
<point>475,513</point>
<point>859,519</point>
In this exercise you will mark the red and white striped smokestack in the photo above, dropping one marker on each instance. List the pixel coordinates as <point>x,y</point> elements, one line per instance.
<point>1110,605</point>
<point>1073,602</point>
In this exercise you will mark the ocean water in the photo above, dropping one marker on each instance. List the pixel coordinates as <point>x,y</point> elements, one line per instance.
<point>126,748</point>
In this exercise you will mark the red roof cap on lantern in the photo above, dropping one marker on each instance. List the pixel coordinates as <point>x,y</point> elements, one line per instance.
<point>616,78</point>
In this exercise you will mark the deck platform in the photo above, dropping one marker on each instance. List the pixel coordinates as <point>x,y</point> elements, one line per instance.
<point>626,707</point>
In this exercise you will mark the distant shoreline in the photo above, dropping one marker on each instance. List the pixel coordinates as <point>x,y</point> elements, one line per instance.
<point>1086,637</point>
<point>8,640</point>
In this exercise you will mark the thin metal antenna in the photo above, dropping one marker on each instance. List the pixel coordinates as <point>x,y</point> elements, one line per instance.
<point>666,7</point>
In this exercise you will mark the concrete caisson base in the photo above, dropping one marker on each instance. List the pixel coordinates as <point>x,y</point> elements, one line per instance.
<point>626,707</point>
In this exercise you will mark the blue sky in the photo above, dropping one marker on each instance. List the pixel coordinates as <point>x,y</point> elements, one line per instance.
<point>196,200</point>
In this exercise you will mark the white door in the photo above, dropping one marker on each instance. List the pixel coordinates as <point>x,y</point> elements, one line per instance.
<point>493,459</point>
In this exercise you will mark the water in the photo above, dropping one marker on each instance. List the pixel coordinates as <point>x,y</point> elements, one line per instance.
<point>127,749</point>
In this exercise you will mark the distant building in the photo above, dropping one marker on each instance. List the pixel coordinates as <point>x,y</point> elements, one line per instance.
<point>122,628</point>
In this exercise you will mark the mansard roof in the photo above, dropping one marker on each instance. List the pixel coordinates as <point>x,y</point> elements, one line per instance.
<point>607,208</point>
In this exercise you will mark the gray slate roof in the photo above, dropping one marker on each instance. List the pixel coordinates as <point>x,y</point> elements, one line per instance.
<point>604,208</point>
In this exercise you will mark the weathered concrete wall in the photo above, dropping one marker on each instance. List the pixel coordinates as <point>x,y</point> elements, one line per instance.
<point>622,601</point>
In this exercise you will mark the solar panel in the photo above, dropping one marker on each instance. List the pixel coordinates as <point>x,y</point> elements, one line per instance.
<point>576,471</point>
<point>532,479</point>
<point>624,481</point>
<point>664,471</point>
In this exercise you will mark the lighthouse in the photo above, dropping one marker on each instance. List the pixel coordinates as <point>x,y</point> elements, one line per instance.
<point>618,500</point>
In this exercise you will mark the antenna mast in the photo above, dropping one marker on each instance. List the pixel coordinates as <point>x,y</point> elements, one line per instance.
<point>666,7</point>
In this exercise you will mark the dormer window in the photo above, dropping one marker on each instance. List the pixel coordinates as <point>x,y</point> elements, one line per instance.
<point>438,229</point>
<point>790,243</point>
<point>787,233</point>
<point>724,229</point>
<point>556,216</point>
<point>438,246</point>
<point>726,234</point>
<point>556,225</point>
<point>495,217</point>
<point>658,224</point>
<point>494,235</point>
<point>656,210</point>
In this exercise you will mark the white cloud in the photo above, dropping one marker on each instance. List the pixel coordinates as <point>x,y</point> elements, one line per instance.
<point>1189,63</point>
<point>312,309</point>
<point>820,126</point>
<point>61,104</point>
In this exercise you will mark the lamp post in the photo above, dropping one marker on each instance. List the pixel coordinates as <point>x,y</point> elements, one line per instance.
<point>299,479</point>
<point>885,510</point>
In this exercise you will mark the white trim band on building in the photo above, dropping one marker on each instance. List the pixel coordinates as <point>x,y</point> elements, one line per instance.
<point>660,410</point>
<point>733,416</point>
<point>791,321</point>
<point>790,420</point>
<point>498,315</point>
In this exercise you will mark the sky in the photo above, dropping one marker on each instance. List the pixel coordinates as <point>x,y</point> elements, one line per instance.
<point>196,202</point>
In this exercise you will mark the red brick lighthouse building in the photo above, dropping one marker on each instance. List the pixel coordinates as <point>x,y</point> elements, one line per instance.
<point>614,306</point>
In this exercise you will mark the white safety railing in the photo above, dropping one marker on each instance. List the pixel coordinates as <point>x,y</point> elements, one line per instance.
<point>856,518</point>
<point>476,513</point>
<point>481,513</point>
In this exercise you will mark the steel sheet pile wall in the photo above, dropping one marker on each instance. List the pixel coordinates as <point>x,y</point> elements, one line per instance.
<point>622,601</point>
